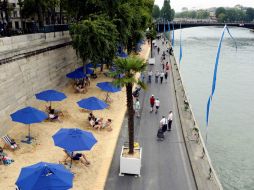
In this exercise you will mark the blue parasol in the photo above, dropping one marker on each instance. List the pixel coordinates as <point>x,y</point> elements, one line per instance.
<point>92,103</point>
<point>45,176</point>
<point>28,115</point>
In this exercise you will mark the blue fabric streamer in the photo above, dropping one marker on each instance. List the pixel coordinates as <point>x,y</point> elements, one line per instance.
<point>168,30</point>
<point>173,35</point>
<point>181,49</point>
<point>215,71</point>
<point>164,25</point>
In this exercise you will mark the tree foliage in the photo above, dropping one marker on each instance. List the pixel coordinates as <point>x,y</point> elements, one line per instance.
<point>166,11</point>
<point>199,14</point>
<point>156,12</point>
<point>95,39</point>
<point>234,14</point>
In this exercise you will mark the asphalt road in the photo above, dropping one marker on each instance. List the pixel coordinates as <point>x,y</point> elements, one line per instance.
<point>165,165</point>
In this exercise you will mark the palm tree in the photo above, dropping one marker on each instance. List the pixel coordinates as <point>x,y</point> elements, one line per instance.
<point>128,68</point>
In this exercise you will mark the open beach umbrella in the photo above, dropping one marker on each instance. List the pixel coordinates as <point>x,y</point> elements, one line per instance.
<point>108,87</point>
<point>74,139</point>
<point>77,74</point>
<point>92,103</point>
<point>91,65</point>
<point>45,176</point>
<point>50,96</point>
<point>28,115</point>
<point>122,55</point>
<point>89,71</point>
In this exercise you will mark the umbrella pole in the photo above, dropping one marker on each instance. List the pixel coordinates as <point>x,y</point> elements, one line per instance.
<point>71,159</point>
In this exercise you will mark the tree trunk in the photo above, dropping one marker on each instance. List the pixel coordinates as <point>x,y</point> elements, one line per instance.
<point>130,117</point>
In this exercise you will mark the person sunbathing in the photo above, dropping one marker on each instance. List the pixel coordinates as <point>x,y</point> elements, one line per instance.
<point>79,88</point>
<point>13,144</point>
<point>96,123</point>
<point>53,116</point>
<point>107,125</point>
<point>5,158</point>
<point>91,117</point>
<point>77,156</point>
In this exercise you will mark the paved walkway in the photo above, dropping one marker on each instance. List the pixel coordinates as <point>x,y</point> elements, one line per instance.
<point>165,165</point>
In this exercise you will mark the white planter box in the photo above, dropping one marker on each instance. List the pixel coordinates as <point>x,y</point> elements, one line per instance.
<point>151,61</point>
<point>130,165</point>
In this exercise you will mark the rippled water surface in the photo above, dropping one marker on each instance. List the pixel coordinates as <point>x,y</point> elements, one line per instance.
<point>231,127</point>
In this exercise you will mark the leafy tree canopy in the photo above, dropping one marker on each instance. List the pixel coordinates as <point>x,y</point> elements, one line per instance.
<point>156,12</point>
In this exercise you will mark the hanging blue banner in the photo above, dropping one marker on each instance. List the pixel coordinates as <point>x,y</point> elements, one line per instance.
<point>168,30</point>
<point>173,35</point>
<point>181,49</point>
<point>164,25</point>
<point>215,73</point>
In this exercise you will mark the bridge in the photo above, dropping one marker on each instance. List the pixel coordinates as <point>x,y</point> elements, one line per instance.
<point>197,24</point>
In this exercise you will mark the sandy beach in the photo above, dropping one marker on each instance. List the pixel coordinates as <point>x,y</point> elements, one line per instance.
<point>42,149</point>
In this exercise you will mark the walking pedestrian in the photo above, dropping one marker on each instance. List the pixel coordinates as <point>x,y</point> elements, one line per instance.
<point>170,119</point>
<point>137,107</point>
<point>150,74</point>
<point>166,75</point>
<point>157,74</point>
<point>167,66</point>
<point>152,100</point>
<point>157,105</point>
<point>158,49</point>
<point>161,76</point>
<point>163,124</point>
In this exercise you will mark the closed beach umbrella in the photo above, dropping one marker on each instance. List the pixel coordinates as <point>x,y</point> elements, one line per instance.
<point>50,96</point>
<point>77,74</point>
<point>28,115</point>
<point>74,139</point>
<point>92,103</point>
<point>45,176</point>
<point>108,87</point>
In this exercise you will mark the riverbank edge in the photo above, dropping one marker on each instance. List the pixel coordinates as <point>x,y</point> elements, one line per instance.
<point>203,171</point>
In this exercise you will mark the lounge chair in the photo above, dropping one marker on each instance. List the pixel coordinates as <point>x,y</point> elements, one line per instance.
<point>77,157</point>
<point>8,143</point>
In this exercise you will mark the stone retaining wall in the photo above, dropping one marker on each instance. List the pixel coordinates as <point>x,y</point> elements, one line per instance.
<point>30,64</point>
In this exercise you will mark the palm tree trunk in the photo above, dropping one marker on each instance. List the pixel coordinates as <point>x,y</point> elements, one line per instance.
<point>130,117</point>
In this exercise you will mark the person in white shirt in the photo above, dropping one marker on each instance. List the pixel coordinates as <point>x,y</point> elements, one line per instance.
<point>163,124</point>
<point>161,76</point>
<point>157,104</point>
<point>170,119</point>
<point>137,107</point>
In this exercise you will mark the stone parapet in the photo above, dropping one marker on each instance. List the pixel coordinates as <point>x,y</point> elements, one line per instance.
<point>203,171</point>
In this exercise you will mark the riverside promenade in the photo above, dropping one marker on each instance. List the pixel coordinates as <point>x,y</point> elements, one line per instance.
<point>165,164</point>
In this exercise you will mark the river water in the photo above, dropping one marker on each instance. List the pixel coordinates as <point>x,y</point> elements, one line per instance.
<point>231,124</point>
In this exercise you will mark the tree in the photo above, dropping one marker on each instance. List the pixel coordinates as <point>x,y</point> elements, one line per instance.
<point>156,12</point>
<point>166,11</point>
<point>128,68</point>
<point>219,11</point>
<point>95,39</point>
<point>250,14</point>
<point>151,35</point>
